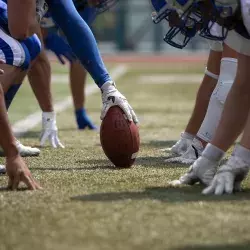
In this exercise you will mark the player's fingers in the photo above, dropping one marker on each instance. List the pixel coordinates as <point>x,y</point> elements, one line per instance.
<point>209,190</point>
<point>229,185</point>
<point>104,111</point>
<point>37,186</point>
<point>135,119</point>
<point>16,181</point>
<point>127,112</point>
<point>52,141</point>
<point>220,187</point>
<point>44,137</point>
<point>28,182</point>
<point>58,143</point>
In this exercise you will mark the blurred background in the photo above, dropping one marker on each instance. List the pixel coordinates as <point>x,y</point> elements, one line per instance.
<point>128,27</point>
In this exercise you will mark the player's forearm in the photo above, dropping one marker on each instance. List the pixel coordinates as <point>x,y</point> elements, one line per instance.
<point>21,18</point>
<point>7,140</point>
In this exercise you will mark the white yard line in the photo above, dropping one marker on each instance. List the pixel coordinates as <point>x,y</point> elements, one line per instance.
<point>170,79</point>
<point>23,126</point>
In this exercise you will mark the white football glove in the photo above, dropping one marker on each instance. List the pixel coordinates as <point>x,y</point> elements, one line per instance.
<point>112,97</point>
<point>49,130</point>
<point>41,9</point>
<point>202,170</point>
<point>228,177</point>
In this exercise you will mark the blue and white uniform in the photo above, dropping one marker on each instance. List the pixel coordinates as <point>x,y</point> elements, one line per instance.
<point>14,52</point>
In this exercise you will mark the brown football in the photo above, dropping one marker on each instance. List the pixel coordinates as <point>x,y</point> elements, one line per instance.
<point>120,138</point>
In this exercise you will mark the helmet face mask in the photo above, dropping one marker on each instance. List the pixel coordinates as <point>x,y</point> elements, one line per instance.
<point>180,35</point>
<point>209,15</point>
<point>183,24</point>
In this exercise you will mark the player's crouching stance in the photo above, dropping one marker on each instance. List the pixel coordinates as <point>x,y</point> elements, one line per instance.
<point>84,46</point>
<point>17,59</point>
<point>211,96</point>
<point>235,117</point>
<point>15,166</point>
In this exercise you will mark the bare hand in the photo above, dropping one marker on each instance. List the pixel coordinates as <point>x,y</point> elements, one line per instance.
<point>18,172</point>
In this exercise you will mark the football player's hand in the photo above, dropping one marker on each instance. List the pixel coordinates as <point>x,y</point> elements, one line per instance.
<point>59,46</point>
<point>228,178</point>
<point>112,97</point>
<point>50,130</point>
<point>18,172</point>
<point>202,171</point>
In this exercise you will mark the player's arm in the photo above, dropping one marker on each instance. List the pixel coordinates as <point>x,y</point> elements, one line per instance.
<point>21,18</point>
<point>15,166</point>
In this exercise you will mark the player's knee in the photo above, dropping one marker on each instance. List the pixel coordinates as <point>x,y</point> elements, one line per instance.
<point>228,71</point>
<point>33,45</point>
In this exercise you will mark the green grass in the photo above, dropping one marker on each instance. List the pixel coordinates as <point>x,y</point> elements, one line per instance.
<point>87,204</point>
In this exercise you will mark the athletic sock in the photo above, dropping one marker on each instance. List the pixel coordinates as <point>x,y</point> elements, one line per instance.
<point>83,119</point>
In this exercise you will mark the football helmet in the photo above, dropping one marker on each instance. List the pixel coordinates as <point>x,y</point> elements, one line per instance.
<point>183,25</point>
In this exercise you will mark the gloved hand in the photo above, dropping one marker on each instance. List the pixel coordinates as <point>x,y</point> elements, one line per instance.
<point>59,46</point>
<point>202,170</point>
<point>50,130</point>
<point>228,177</point>
<point>41,9</point>
<point>112,97</point>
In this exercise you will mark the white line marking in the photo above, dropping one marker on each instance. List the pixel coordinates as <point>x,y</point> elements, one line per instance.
<point>23,126</point>
<point>170,78</point>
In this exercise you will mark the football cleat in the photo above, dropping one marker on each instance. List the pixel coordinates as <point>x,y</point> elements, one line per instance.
<point>24,151</point>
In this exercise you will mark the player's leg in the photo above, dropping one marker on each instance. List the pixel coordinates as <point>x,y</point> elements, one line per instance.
<point>20,56</point>
<point>78,76</point>
<point>209,125</point>
<point>40,80</point>
<point>233,119</point>
<point>202,99</point>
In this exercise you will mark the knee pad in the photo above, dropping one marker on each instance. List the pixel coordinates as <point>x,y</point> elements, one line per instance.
<point>228,69</point>
<point>33,45</point>
<point>209,125</point>
<point>216,45</point>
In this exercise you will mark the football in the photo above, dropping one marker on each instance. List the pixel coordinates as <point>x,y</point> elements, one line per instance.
<point>120,138</point>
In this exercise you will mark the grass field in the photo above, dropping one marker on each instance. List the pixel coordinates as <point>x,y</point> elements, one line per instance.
<point>87,204</point>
